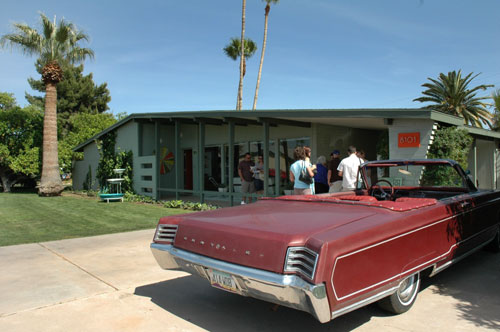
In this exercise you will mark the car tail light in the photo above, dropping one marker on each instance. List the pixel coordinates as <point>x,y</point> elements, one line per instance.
<point>301,260</point>
<point>165,233</point>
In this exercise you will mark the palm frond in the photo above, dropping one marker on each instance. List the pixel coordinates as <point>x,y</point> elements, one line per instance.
<point>496,99</point>
<point>451,94</point>
<point>233,49</point>
<point>53,42</point>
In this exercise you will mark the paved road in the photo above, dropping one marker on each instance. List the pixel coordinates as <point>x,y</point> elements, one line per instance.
<point>112,283</point>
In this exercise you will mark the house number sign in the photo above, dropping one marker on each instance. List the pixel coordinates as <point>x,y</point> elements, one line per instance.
<point>408,140</point>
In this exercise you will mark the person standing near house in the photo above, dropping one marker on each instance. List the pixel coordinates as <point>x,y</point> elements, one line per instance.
<point>348,169</point>
<point>246,175</point>
<point>301,155</point>
<point>320,178</point>
<point>334,180</point>
<point>361,155</point>
<point>259,175</point>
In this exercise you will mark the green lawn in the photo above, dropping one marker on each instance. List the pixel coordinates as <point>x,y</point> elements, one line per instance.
<point>28,218</point>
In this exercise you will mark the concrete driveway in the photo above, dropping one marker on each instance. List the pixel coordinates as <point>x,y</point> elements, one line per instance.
<point>112,283</point>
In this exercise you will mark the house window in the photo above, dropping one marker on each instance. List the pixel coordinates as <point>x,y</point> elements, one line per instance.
<point>147,139</point>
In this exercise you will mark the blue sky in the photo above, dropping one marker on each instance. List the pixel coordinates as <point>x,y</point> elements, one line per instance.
<point>163,55</point>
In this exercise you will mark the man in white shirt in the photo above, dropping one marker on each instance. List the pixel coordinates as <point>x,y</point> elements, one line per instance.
<point>348,169</point>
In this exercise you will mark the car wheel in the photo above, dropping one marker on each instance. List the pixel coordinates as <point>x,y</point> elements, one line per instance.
<point>494,245</point>
<point>402,300</point>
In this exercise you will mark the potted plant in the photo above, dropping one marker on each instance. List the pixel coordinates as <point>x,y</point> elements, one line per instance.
<point>222,188</point>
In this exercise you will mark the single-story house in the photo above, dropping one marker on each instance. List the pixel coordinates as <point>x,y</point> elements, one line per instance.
<point>188,153</point>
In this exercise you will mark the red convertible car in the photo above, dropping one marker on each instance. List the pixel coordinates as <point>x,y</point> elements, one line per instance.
<point>333,253</point>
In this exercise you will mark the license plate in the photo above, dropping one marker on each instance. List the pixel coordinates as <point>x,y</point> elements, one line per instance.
<point>222,280</point>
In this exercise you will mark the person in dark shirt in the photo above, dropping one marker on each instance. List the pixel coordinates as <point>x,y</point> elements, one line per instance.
<point>321,176</point>
<point>334,180</point>
<point>245,171</point>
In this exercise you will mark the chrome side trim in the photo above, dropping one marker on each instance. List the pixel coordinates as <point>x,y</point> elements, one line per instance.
<point>446,265</point>
<point>414,269</point>
<point>364,302</point>
<point>287,290</point>
<point>395,276</point>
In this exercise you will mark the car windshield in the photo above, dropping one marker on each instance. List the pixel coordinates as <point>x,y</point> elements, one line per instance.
<point>428,175</point>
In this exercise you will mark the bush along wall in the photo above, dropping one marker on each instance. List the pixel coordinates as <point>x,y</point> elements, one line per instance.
<point>449,143</point>
<point>110,160</point>
<point>383,145</point>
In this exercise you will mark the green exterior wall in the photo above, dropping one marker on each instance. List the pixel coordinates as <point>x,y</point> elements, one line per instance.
<point>81,167</point>
<point>151,136</point>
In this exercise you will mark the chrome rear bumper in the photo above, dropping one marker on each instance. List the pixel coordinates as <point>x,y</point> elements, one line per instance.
<point>287,290</point>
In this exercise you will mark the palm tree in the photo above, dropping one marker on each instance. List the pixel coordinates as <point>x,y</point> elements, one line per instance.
<point>239,100</point>
<point>56,45</point>
<point>234,51</point>
<point>266,17</point>
<point>496,104</point>
<point>451,94</point>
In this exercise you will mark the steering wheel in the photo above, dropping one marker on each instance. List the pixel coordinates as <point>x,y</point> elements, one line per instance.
<point>383,195</point>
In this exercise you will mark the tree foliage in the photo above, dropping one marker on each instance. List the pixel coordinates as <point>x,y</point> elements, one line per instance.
<point>7,101</point>
<point>449,143</point>
<point>110,160</point>
<point>81,109</point>
<point>56,45</point>
<point>84,126</point>
<point>234,50</point>
<point>451,94</point>
<point>77,93</point>
<point>20,142</point>
<point>55,42</point>
<point>382,146</point>
<point>496,104</point>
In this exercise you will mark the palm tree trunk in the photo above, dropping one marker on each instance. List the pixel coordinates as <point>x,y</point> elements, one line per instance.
<point>240,86</point>
<point>264,42</point>
<point>50,183</point>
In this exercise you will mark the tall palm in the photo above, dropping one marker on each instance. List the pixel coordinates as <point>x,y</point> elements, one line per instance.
<point>239,100</point>
<point>451,94</point>
<point>234,51</point>
<point>266,18</point>
<point>56,45</point>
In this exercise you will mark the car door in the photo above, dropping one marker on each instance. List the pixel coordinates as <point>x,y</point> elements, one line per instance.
<point>461,229</point>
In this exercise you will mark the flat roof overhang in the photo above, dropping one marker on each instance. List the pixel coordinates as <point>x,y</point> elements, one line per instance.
<point>374,119</point>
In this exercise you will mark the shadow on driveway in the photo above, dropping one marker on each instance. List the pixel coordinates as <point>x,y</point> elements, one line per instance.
<point>191,298</point>
<point>470,290</point>
<point>475,283</point>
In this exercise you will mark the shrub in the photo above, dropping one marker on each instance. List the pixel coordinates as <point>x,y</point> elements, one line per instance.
<point>131,197</point>
<point>178,204</point>
<point>174,204</point>
<point>110,160</point>
<point>449,143</point>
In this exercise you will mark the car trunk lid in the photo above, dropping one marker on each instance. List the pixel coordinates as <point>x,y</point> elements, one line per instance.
<point>258,235</point>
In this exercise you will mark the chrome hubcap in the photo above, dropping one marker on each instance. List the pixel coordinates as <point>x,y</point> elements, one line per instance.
<point>407,289</point>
